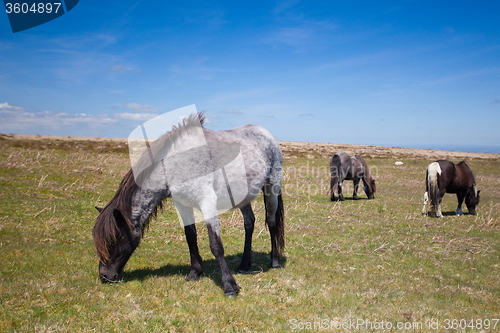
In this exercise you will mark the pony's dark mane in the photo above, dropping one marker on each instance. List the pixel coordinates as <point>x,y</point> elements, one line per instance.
<point>106,230</point>
<point>463,162</point>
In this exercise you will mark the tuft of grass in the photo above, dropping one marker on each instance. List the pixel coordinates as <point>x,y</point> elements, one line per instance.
<point>367,259</point>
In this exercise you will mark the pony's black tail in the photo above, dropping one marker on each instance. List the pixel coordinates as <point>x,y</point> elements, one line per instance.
<point>280,226</point>
<point>335,173</point>
<point>333,183</point>
<point>278,232</point>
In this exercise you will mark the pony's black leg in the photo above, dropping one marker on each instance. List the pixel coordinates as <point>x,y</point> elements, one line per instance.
<point>187,216</point>
<point>460,198</point>
<point>341,196</point>
<point>249,221</point>
<point>231,288</point>
<point>196,264</point>
<point>355,185</point>
<point>271,203</point>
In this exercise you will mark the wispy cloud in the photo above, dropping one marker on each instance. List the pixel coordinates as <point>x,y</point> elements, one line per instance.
<point>213,18</point>
<point>80,59</point>
<point>302,35</point>
<point>284,5</point>
<point>239,96</point>
<point>121,69</point>
<point>199,68</point>
<point>295,37</point>
<point>135,116</point>
<point>14,117</point>
<point>461,76</point>
<point>231,111</point>
<point>141,108</point>
<point>359,60</point>
<point>449,30</point>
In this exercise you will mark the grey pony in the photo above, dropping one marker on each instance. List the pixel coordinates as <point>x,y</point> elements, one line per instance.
<point>121,223</point>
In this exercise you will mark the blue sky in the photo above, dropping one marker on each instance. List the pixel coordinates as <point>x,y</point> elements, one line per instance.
<point>400,73</point>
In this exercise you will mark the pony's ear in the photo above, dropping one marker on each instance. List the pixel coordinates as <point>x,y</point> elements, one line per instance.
<point>120,220</point>
<point>479,191</point>
<point>99,209</point>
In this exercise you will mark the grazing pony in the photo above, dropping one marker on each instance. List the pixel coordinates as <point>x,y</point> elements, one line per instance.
<point>343,167</point>
<point>446,177</point>
<point>161,174</point>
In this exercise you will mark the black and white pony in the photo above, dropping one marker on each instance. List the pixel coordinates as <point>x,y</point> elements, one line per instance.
<point>343,167</point>
<point>446,177</point>
<point>198,180</point>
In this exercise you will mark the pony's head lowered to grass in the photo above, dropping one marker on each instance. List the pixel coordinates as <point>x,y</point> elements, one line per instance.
<point>115,237</point>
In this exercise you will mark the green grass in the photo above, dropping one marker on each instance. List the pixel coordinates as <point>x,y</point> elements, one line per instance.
<point>373,260</point>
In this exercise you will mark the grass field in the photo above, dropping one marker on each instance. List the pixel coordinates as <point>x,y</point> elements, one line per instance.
<point>346,262</point>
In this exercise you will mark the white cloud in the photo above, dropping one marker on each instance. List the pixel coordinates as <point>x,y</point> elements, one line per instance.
<point>141,108</point>
<point>16,118</point>
<point>10,108</point>
<point>135,116</point>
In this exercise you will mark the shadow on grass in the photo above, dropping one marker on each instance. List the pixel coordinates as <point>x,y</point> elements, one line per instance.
<point>261,262</point>
<point>450,213</point>
<point>351,199</point>
<point>453,213</point>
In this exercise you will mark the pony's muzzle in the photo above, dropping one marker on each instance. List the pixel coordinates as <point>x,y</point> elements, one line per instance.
<point>107,275</point>
<point>114,279</point>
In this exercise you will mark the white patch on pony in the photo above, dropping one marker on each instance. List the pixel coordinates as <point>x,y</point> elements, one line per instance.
<point>475,190</point>
<point>434,168</point>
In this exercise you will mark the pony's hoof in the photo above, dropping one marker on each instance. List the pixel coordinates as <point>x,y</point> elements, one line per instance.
<point>243,269</point>
<point>342,199</point>
<point>232,291</point>
<point>194,275</point>
<point>354,198</point>
<point>275,264</point>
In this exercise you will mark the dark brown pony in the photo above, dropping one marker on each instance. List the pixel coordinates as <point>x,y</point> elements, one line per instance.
<point>343,167</point>
<point>446,177</point>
